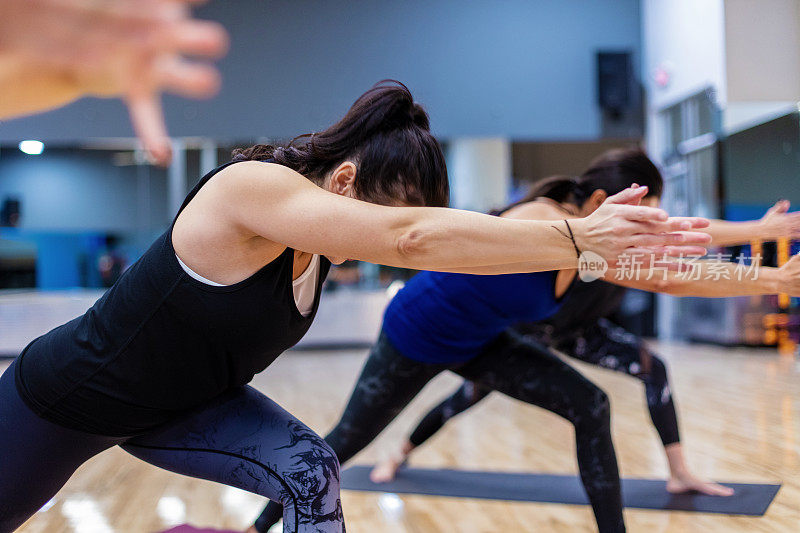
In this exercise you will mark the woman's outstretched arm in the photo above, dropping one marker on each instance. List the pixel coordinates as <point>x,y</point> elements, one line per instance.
<point>278,204</point>
<point>776,224</point>
<point>716,279</point>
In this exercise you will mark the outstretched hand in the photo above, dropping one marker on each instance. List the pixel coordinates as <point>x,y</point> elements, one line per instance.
<point>779,223</point>
<point>620,226</point>
<point>61,50</point>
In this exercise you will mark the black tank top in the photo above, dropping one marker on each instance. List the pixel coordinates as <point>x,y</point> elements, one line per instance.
<point>160,342</point>
<point>585,304</point>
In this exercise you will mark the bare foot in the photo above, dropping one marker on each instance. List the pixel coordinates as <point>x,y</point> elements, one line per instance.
<point>386,470</point>
<point>689,483</point>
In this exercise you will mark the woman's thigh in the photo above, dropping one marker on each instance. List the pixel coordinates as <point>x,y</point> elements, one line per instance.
<point>511,365</point>
<point>609,346</point>
<point>245,440</point>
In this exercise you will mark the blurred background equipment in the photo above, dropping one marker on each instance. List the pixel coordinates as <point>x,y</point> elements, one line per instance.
<point>614,82</point>
<point>10,212</point>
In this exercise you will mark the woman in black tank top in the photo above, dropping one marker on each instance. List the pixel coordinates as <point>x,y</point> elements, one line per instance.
<point>159,365</point>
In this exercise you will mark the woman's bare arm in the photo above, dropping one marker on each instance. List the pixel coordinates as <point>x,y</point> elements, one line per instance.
<point>278,204</point>
<point>777,223</point>
<point>535,210</point>
<point>715,279</point>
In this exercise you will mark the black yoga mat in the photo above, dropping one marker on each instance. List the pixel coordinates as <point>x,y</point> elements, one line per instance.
<point>749,499</point>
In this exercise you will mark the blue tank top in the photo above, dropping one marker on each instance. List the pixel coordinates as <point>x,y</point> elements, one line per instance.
<point>449,318</point>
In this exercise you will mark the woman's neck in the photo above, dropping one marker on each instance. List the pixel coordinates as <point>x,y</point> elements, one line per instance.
<point>567,207</point>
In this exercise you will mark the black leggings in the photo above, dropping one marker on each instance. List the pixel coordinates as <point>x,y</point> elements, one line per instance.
<point>603,344</point>
<point>467,395</point>
<point>389,381</point>
<point>242,439</point>
<point>609,346</point>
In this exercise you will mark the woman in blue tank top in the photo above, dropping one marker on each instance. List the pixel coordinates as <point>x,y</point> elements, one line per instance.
<point>461,322</point>
<point>449,318</point>
<point>583,329</point>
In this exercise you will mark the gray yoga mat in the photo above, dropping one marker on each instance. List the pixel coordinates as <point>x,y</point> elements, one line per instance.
<point>749,499</point>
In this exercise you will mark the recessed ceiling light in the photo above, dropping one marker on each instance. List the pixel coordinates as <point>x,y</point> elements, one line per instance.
<point>32,147</point>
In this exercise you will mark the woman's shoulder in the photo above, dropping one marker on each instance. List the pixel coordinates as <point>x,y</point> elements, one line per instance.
<point>253,167</point>
<point>252,176</point>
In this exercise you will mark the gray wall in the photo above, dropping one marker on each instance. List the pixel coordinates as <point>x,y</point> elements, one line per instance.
<point>514,68</point>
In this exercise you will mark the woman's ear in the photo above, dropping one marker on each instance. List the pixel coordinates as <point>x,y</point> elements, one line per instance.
<point>343,179</point>
<point>595,199</point>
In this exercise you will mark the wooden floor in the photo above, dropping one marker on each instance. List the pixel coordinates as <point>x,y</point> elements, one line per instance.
<point>740,421</point>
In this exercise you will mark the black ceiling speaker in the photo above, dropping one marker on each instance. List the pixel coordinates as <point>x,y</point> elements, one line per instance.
<point>614,82</point>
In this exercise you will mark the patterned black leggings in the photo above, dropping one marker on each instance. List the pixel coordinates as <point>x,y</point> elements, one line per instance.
<point>389,381</point>
<point>603,344</point>
<point>610,346</point>
<point>242,439</point>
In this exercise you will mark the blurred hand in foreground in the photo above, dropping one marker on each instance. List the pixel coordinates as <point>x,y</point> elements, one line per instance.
<point>55,51</point>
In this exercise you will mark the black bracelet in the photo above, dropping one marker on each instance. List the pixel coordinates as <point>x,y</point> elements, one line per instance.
<point>571,237</point>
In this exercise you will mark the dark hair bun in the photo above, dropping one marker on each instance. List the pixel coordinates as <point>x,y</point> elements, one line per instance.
<point>390,105</point>
<point>420,117</point>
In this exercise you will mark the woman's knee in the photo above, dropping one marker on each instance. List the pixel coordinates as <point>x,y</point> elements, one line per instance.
<point>313,482</point>
<point>601,404</point>
<point>329,454</point>
<point>314,472</point>
<point>593,408</point>
<point>326,474</point>
<point>658,370</point>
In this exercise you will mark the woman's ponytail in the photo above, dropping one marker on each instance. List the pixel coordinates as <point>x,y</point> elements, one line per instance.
<point>387,106</point>
<point>560,188</point>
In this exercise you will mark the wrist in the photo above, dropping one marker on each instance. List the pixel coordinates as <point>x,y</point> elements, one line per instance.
<point>765,230</point>
<point>578,227</point>
<point>773,280</point>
